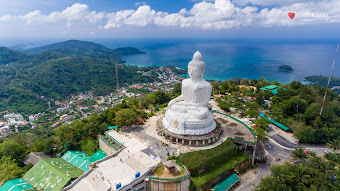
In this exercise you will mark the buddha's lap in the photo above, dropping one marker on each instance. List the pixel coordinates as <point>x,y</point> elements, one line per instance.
<point>189,109</point>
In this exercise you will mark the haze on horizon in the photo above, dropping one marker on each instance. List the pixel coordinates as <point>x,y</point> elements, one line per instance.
<point>86,19</point>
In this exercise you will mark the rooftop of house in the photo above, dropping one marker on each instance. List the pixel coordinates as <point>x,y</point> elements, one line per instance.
<point>34,157</point>
<point>51,174</point>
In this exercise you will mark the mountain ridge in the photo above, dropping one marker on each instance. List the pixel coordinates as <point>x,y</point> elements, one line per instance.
<point>77,48</point>
<point>25,77</point>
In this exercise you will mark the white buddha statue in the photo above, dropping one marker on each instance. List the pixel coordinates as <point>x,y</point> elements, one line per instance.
<point>188,114</point>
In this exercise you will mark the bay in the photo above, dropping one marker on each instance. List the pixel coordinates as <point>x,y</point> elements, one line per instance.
<point>250,59</point>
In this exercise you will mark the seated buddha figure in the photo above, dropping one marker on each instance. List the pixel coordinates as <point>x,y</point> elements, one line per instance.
<point>188,114</point>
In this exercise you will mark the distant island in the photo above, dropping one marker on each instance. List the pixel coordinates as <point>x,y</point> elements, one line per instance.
<point>285,68</point>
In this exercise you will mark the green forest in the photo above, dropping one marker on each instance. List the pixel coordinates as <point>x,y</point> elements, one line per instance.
<point>323,80</point>
<point>55,74</point>
<point>295,105</point>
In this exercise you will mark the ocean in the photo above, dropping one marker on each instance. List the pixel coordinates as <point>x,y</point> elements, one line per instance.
<point>236,58</point>
<point>250,59</point>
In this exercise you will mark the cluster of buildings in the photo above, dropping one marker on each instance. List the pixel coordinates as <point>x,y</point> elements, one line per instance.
<point>8,120</point>
<point>123,163</point>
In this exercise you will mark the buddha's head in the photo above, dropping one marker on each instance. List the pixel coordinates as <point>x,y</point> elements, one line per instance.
<point>196,66</point>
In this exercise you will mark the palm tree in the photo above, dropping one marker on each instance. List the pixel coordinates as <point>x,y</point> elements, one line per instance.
<point>299,154</point>
<point>278,171</point>
<point>271,184</point>
<point>326,167</point>
<point>322,182</point>
<point>299,177</point>
<point>334,145</point>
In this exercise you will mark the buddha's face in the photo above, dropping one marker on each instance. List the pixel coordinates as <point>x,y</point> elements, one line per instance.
<point>194,72</point>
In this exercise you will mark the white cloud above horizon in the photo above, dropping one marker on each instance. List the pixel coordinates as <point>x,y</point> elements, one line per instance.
<point>207,15</point>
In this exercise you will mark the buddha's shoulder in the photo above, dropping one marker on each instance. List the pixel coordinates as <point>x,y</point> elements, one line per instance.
<point>203,82</point>
<point>186,81</point>
<point>206,84</point>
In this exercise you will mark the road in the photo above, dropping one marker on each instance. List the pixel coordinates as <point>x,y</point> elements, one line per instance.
<point>278,150</point>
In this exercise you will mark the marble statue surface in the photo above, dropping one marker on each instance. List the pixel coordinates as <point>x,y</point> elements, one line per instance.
<point>188,114</point>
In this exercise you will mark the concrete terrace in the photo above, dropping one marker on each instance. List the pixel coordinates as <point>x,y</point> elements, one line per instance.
<point>121,168</point>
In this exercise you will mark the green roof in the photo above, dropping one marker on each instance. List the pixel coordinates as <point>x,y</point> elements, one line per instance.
<point>274,122</point>
<point>17,184</point>
<point>79,159</point>
<point>51,174</point>
<point>226,183</point>
<point>112,127</point>
<point>272,88</point>
<point>98,155</point>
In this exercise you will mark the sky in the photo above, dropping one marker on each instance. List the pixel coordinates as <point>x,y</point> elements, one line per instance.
<point>317,19</point>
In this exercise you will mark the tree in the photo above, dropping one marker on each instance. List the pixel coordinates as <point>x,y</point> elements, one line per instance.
<point>259,98</point>
<point>12,150</point>
<point>149,100</point>
<point>215,88</point>
<point>252,105</point>
<point>261,134</point>
<point>245,81</point>
<point>251,113</point>
<point>271,184</point>
<point>222,90</point>
<point>312,111</point>
<point>233,88</point>
<point>267,94</point>
<point>299,154</point>
<point>278,171</point>
<point>299,176</point>
<point>315,173</point>
<point>262,123</point>
<point>295,85</point>
<point>140,105</point>
<point>317,122</point>
<point>161,97</point>
<point>334,145</point>
<point>177,90</point>
<point>126,117</point>
<point>294,105</point>
<point>230,81</point>
<point>9,169</point>
<point>224,105</point>
<point>89,145</point>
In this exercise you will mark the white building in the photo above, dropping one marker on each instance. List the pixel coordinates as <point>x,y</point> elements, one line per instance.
<point>62,109</point>
<point>31,118</point>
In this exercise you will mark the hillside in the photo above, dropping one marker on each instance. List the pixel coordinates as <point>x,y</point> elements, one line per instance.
<point>323,80</point>
<point>8,55</point>
<point>55,74</point>
<point>78,48</point>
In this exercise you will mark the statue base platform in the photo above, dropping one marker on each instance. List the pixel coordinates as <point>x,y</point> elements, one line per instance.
<point>191,140</point>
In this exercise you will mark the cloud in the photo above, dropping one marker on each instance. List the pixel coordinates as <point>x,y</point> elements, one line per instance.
<point>140,3</point>
<point>75,13</point>
<point>269,2</point>
<point>210,15</point>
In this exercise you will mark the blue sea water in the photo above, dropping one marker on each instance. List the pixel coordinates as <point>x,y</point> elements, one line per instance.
<point>250,59</point>
<point>236,58</point>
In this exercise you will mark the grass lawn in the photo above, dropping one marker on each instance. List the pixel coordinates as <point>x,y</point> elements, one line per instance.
<point>218,169</point>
